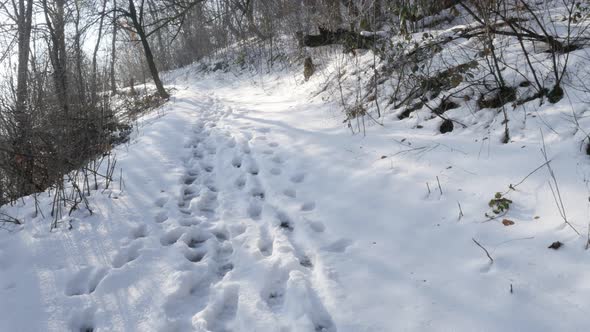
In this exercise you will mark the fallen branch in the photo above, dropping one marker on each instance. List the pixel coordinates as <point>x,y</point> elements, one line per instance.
<point>8,219</point>
<point>554,186</point>
<point>350,39</point>
<point>485,250</point>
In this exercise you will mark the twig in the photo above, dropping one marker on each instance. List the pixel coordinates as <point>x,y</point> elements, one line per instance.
<point>8,219</point>
<point>513,186</point>
<point>490,218</point>
<point>555,191</point>
<point>513,240</point>
<point>439,187</point>
<point>460,211</point>
<point>485,250</point>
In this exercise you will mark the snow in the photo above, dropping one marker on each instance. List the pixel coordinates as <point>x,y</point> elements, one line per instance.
<point>248,206</point>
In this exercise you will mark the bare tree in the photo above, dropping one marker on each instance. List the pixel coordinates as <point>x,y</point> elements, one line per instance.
<point>171,12</point>
<point>23,13</point>
<point>113,49</point>
<point>93,78</point>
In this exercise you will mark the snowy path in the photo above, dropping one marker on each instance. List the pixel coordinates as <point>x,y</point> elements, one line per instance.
<point>248,207</point>
<point>199,239</point>
<point>230,222</point>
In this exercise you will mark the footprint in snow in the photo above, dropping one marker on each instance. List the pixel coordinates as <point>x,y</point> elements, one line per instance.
<point>189,221</point>
<point>207,202</point>
<point>236,162</point>
<point>194,238</point>
<point>253,168</point>
<point>290,193</point>
<point>285,221</point>
<point>273,144</point>
<point>221,234</point>
<point>224,269</point>
<point>82,320</point>
<point>207,167</point>
<point>209,184</point>
<point>161,217</point>
<point>138,231</point>
<point>240,182</point>
<point>231,143</point>
<point>316,226</point>
<point>220,311</point>
<point>194,255</point>
<point>85,281</point>
<point>183,204</point>
<point>313,307</point>
<point>305,261</point>
<point>257,193</point>
<point>238,229</point>
<point>338,246</point>
<point>198,127</point>
<point>161,201</point>
<point>189,179</point>
<point>127,255</point>
<point>308,206</point>
<point>275,171</point>
<point>247,134</point>
<point>193,143</point>
<point>170,237</point>
<point>254,210</point>
<point>212,150</point>
<point>264,130</point>
<point>188,193</point>
<point>186,211</point>
<point>297,177</point>
<point>265,242</point>
<point>273,291</point>
<point>198,154</point>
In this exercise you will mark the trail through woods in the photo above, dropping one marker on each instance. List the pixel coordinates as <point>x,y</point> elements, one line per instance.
<point>247,206</point>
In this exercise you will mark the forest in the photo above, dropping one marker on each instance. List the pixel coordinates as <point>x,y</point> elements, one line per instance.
<point>254,165</point>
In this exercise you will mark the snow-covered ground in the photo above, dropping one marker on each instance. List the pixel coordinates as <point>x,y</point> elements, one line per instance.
<point>249,206</point>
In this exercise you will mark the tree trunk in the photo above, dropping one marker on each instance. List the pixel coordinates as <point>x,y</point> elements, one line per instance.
<point>335,17</point>
<point>78,51</point>
<point>161,49</point>
<point>24,19</point>
<point>247,10</point>
<point>94,54</point>
<point>113,49</point>
<point>149,56</point>
<point>55,18</point>
<point>22,145</point>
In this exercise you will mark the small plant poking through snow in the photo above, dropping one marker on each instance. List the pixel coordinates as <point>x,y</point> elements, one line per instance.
<point>499,205</point>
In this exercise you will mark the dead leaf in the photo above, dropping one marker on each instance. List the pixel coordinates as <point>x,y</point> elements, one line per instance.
<point>537,217</point>
<point>507,222</point>
<point>555,245</point>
